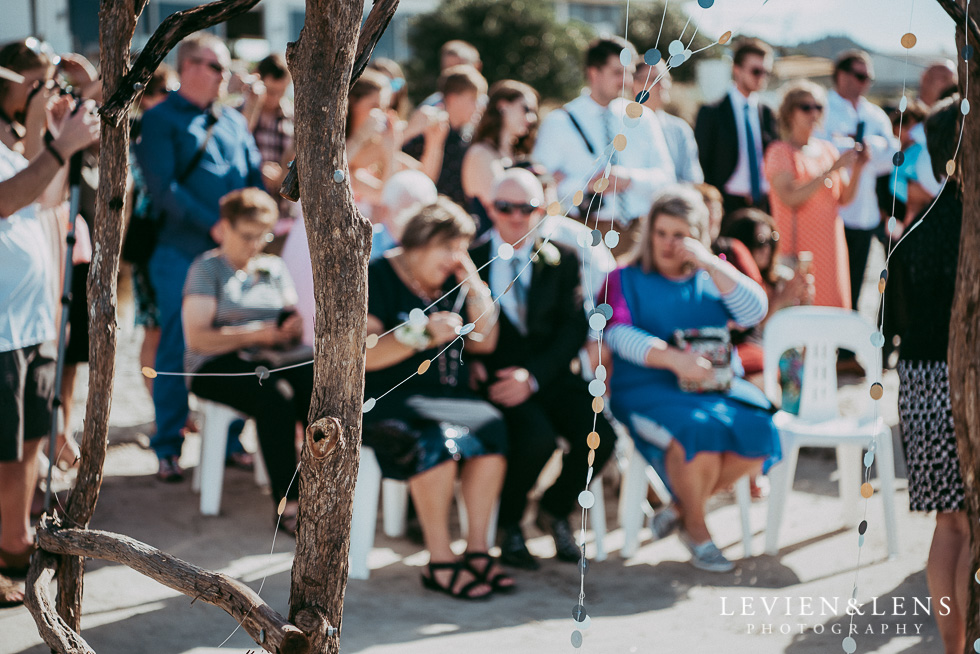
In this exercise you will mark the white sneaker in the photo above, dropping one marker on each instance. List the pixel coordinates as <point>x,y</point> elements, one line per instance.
<point>706,556</point>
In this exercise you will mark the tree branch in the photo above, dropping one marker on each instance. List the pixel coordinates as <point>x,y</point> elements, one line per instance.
<point>53,630</point>
<point>167,35</point>
<point>374,26</point>
<point>263,624</point>
<point>955,12</point>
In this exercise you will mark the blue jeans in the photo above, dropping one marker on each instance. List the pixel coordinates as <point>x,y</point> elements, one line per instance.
<point>168,269</point>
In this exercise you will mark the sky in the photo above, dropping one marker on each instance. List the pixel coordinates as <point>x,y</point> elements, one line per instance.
<point>875,24</point>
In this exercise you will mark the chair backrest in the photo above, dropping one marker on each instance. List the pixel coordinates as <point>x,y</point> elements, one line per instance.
<point>821,331</point>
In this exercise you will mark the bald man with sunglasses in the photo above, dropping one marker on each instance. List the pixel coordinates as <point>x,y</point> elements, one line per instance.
<point>529,377</point>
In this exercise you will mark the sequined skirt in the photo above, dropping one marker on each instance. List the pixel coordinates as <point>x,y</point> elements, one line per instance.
<point>412,433</point>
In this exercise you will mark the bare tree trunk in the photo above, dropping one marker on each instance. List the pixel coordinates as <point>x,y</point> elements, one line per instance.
<point>117,21</point>
<point>964,343</point>
<point>321,64</point>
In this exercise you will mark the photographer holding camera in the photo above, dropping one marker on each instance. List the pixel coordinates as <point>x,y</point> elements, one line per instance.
<point>28,282</point>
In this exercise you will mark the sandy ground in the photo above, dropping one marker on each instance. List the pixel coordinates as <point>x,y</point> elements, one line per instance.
<point>654,602</point>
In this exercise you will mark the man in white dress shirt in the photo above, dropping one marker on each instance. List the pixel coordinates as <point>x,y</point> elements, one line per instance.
<point>575,144</point>
<point>849,112</point>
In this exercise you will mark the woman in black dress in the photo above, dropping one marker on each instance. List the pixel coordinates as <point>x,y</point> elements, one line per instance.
<point>928,260</point>
<point>426,303</point>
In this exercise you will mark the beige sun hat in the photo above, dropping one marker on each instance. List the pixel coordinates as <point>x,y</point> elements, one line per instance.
<point>11,76</point>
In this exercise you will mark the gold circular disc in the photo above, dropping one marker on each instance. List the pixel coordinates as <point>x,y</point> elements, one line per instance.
<point>424,366</point>
<point>725,38</point>
<point>881,285</point>
<point>149,372</point>
<point>282,506</point>
<point>877,391</point>
<point>593,440</point>
<point>908,40</point>
<point>620,142</point>
<point>371,341</point>
<point>634,110</point>
<point>554,209</point>
<point>577,198</point>
<point>601,184</point>
<point>592,460</point>
<point>597,405</point>
<point>866,490</point>
<point>950,168</point>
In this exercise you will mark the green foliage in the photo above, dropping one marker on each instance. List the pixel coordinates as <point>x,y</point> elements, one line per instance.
<point>517,39</point>
<point>644,27</point>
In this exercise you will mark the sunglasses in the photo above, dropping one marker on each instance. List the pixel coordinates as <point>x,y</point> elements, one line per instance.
<point>526,208</point>
<point>760,72</point>
<point>213,65</point>
<point>861,77</point>
<point>810,107</point>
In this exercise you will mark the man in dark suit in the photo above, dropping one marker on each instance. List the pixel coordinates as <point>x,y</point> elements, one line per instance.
<point>733,133</point>
<point>542,327</point>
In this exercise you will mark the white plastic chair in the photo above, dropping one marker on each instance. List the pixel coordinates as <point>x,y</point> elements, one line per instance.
<point>822,330</point>
<point>209,475</point>
<point>638,476</point>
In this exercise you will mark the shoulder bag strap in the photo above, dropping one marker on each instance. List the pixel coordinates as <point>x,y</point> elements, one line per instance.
<point>196,159</point>
<point>581,132</point>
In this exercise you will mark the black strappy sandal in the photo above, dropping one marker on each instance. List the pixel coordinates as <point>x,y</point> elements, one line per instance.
<point>465,593</point>
<point>501,582</point>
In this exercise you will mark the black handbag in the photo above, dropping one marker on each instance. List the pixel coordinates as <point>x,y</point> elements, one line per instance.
<point>144,228</point>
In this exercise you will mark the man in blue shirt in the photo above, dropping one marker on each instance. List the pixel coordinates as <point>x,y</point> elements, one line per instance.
<point>186,194</point>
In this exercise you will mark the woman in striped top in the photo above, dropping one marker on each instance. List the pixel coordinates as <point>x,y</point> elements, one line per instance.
<point>704,441</point>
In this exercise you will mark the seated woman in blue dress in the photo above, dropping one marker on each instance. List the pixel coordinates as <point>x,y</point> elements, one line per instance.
<point>432,426</point>
<point>691,416</point>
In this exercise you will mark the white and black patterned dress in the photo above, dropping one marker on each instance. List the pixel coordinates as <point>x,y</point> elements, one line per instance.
<point>928,260</point>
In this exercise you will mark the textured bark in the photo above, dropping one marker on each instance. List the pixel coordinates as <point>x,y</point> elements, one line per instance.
<point>117,22</point>
<point>321,65</point>
<point>263,624</point>
<point>964,343</point>
<point>374,26</point>
<point>175,27</point>
<point>53,630</point>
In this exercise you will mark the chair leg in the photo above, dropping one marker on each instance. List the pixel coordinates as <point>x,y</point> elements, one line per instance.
<point>395,500</point>
<point>780,485</point>
<point>365,514</point>
<point>885,459</point>
<point>632,496</point>
<point>599,518</point>
<point>261,472</point>
<point>850,471</point>
<point>743,497</point>
<point>214,440</point>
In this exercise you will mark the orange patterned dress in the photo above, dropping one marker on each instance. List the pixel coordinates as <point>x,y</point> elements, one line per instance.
<point>815,226</point>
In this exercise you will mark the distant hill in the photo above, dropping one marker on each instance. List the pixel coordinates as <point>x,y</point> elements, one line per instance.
<point>828,47</point>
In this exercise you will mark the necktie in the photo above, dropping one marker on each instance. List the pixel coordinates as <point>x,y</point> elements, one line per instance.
<point>520,293</point>
<point>755,180</point>
<point>610,125</point>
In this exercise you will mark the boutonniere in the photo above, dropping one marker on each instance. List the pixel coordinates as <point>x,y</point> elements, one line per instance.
<point>548,253</point>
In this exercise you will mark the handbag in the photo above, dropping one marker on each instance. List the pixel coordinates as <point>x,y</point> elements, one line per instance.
<point>144,227</point>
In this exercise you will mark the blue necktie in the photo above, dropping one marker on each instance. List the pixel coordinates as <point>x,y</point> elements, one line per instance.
<point>755,180</point>
<point>520,293</point>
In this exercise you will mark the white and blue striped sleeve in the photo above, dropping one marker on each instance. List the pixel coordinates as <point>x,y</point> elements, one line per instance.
<point>746,303</point>
<point>631,343</point>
